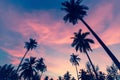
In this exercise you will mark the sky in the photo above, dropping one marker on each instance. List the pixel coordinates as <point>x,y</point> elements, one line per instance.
<point>43,21</point>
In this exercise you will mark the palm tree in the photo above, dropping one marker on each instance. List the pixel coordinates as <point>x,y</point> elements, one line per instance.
<point>46,78</point>
<point>59,78</point>
<point>74,59</point>
<point>82,44</point>
<point>67,76</point>
<point>7,72</point>
<point>73,78</point>
<point>75,11</point>
<point>40,66</point>
<point>89,68</point>
<point>27,69</point>
<point>29,46</point>
<point>113,71</point>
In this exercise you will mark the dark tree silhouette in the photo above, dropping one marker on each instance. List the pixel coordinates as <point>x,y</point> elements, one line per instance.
<point>112,71</point>
<point>82,44</point>
<point>51,78</point>
<point>7,72</point>
<point>59,78</point>
<point>29,46</point>
<point>101,75</point>
<point>27,69</point>
<point>74,59</point>
<point>89,68</point>
<point>40,66</point>
<point>75,11</point>
<point>73,78</point>
<point>83,75</point>
<point>46,78</point>
<point>67,76</point>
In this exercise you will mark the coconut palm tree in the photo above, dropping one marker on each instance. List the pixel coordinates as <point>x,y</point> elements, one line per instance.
<point>89,68</point>
<point>67,76</point>
<point>74,59</point>
<point>59,78</point>
<point>73,78</point>
<point>46,78</point>
<point>29,46</point>
<point>40,66</point>
<point>82,44</point>
<point>75,11</point>
<point>113,71</point>
<point>8,72</point>
<point>27,69</point>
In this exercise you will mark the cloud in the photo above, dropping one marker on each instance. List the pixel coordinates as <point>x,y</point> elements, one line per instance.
<point>53,36</point>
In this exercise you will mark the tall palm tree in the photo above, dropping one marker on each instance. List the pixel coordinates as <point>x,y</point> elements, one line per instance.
<point>27,69</point>
<point>29,46</point>
<point>75,11</point>
<point>74,59</point>
<point>40,66</point>
<point>82,44</point>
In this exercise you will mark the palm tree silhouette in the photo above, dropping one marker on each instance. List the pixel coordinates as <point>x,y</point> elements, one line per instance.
<point>74,59</point>
<point>7,72</point>
<point>40,66</point>
<point>75,11</point>
<point>27,69</point>
<point>73,78</point>
<point>113,71</point>
<point>29,46</point>
<point>46,78</point>
<point>67,76</point>
<point>82,44</point>
<point>89,68</point>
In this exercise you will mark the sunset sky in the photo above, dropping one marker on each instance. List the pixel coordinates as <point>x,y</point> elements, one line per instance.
<point>43,21</point>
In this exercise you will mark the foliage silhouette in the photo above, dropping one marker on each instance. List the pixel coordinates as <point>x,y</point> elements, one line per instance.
<point>67,76</point>
<point>75,11</point>
<point>27,70</point>
<point>29,46</point>
<point>46,78</point>
<point>82,44</point>
<point>112,72</point>
<point>7,72</point>
<point>74,59</point>
<point>40,66</point>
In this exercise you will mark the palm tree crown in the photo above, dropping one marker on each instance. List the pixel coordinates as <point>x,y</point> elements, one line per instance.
<point>82,43</point>
<point>74,11</point>
<point>27,68</point>
<point>40,65</point>
<point>74,59</point>
<point>67,76</point>
<point>8,72</point>
<point>30,45</point>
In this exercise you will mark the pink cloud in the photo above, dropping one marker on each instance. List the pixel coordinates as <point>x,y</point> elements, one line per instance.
<point>55,34</point>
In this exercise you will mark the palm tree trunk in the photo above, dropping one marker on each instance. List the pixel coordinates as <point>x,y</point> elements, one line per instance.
<point>21,61</point>
<point>92,66</point>
<point>77,71</point>
<point>111,55</point>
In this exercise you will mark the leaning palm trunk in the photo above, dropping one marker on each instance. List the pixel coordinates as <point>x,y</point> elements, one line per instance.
<point>114,59</point>
<point>92,66</point>
<point>21,61</point>
<point>77,71</point>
